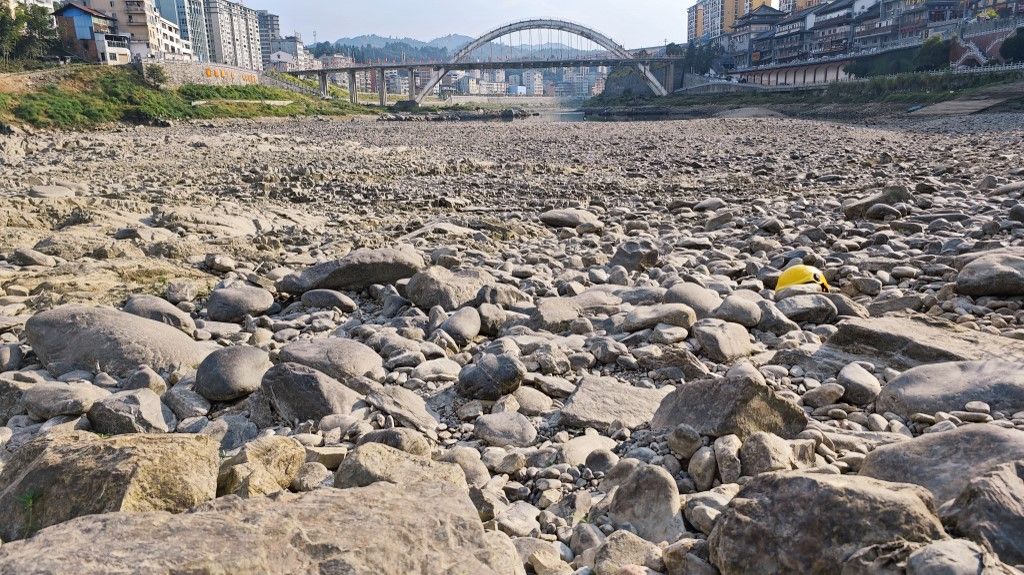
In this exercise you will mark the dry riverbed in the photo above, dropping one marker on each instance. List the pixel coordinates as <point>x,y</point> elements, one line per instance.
<point>323,346</point>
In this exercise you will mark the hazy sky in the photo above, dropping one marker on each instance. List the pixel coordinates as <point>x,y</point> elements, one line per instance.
<point>632,23</point>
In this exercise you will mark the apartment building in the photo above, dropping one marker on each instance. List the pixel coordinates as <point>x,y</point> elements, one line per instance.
<point>234,34</point>
<point>291,54</point>
<point>151,35</point>
<point>190,16</point>
<point>695,22</point>
<point>270,30</point>
<point>91,35</point>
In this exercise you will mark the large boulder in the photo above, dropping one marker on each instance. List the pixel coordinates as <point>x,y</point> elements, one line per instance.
<point>75,337</point>
<point>491,377</point>
<point>945,462</point>
<point>383,528</point>
<point>600,401</point>
<point>450,290</point>
<point>648,499</point>
<point>992,275</point>
<point>231,373</point>
<point>161,310</point>
<point>132,411</point>
<point>373,462</point>
<point>794,522</point>
<point>990,511</point>
<point>733,405</point>
<point>357,271</point>
<point>301,393</point>
<point>949,386</point>
<point>232,304</point>
<point>339,358</point>
<point>57,477</point>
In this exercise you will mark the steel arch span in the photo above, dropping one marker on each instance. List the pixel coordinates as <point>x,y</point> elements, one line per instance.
<point>544,24</point>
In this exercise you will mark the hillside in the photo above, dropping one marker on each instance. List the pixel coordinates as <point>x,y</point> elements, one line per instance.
<point>85,97</point>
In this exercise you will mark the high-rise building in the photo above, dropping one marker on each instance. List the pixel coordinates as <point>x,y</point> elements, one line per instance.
<point>191,18</point>
<point>152,36</point>
<point>270,30</point>
<point>234,34</point>
<point>695,22</point>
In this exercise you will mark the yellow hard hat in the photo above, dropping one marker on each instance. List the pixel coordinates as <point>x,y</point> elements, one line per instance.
<point>802,275</point>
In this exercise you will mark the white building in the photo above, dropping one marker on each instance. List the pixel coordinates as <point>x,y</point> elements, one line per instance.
<point>234,34</point>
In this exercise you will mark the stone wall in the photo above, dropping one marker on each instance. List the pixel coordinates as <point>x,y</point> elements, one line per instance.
<point>181,73</point>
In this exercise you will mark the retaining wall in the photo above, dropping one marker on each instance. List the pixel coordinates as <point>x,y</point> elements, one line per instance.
<point>181,73</point>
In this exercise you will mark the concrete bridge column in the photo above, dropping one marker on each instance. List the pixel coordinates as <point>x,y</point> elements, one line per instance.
<point>325,89</point>
<point>382,89</point>
<point>353,94</point>
<point>670,83</point>
<point>412,84</point>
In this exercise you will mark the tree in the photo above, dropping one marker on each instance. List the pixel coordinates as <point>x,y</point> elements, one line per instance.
<point>1012,49</point>
<point>933,55</point>
<point>10,32</point>
<point>39,35</point>
<point>674,49</point>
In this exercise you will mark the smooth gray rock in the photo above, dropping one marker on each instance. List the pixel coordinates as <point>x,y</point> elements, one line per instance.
<point>945,462</point>
<point>231,373</point>
<point>357,271</point>
<point>373,462</point>
<point>649,501</point>
<point>234,303</point>
<point>161,310</point>
<point>722,341</point>
<point>507,428</point>
<point>992,275</point>
<point>328,299</point>
<point>437,286</point>
<point>400,438</point>
<point>463,325</point>
<point>339,358</point>
<point>491,377</point>
<point>702,300</point>
<point>809,308</point>
<point>568,218</point>
<point>889,195</point>
<point>301,393</point>
<point>406,407</point>
<point>75,337</point>
<point>860,385</point>
<point>949,386</point>
<point>635,255</point>
<point>44,401</point>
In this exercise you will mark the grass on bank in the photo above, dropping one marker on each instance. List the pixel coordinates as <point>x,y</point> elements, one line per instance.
<point>95,96</point>
<point>909,89</point>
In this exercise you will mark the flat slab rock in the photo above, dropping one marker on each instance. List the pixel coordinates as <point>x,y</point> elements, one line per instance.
<point>599,401</point>
<point>945,462</point>
<point>949,386</point>
<point>383,528</point>
<point>906,342</point>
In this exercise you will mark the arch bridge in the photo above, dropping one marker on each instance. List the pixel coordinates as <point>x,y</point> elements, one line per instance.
<point>475,56</point>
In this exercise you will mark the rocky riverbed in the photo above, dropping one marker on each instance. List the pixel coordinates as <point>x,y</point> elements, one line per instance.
<point>319,346</point>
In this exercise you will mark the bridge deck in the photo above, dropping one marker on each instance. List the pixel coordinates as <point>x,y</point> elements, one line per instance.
<point>516,64</point>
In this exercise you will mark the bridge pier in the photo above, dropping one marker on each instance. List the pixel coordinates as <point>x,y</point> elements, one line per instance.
<point>412,84</point>
<point>325,88</point>
<point>353,93</point>
<point>670,83</point>
<point>382,88</point>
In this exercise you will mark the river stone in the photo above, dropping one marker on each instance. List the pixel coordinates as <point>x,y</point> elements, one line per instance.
<point>734,405</point>
<point>491,377</point>
<point>373,462</point>
<point>234,303</point>
<point>860,385</point>
<point>646,317</point>
<point>793,522</point>
<point>992,275</point>
<point>301,393</point>
<point>949,386</point>
<point>702,300</point>
<point>437,286</point>
<point>328,299</point>
<point>568,218</point>
<point>649,501</point>
<point>231,373</point>
<point>57,477</point>
<point>600,401</point>
<point>635,255</point>
<point>945,462</point>
<point>134,411</point>
<point>75,337</point>
<point>506,428</point>
<point>722,341</point>
<point>357,271</point>
<point>274,457</point>
<point>431,528</point>
<point>620,550</point>
<point>339,358</point>
<point>161,310</point>
<point>406,407</point>
<point>463,325</point>
<point>810,308</point>
<point>902,343</point>
<point>47,400</point>
<point>401,438</point>
<point>855,209</point>
<point>990,511</point>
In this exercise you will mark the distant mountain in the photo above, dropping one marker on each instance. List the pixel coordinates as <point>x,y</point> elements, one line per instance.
<point>451,42</point>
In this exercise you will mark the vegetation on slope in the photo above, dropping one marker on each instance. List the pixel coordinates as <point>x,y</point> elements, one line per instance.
<point>93,96</point>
